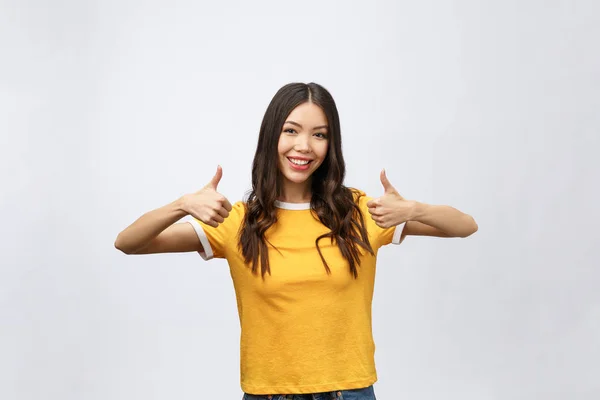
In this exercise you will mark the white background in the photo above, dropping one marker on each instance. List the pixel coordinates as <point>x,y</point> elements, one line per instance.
<point>109,109</point>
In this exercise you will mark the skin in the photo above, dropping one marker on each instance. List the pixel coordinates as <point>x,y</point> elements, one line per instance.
<point>303,137</point>
<point>421,219</point>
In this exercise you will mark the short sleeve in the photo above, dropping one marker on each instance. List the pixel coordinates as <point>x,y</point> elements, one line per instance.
<point>377,235</point>
<point>217,241</point>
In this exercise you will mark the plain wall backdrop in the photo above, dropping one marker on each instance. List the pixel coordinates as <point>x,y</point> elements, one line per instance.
<point>109,109</point>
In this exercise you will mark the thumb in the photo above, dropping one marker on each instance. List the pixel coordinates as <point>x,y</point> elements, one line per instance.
<point>216,179</point>
<point>387,186</point>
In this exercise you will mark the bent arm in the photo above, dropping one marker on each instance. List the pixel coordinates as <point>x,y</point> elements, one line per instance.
<point>157,232</point>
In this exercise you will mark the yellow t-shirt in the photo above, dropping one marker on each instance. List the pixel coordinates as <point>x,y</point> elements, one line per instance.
<point>302,330</point>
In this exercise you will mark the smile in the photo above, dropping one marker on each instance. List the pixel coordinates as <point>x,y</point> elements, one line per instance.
<point>298,161</point>
<point>299,164</point>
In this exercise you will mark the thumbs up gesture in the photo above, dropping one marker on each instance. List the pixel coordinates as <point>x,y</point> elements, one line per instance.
<point>391,209</point>
<point>208,205</point>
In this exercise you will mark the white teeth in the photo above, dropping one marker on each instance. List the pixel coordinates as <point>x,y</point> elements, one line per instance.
<point>299,162</point>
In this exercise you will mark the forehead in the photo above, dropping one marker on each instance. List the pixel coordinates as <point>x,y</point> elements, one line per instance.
<point>308,113</point>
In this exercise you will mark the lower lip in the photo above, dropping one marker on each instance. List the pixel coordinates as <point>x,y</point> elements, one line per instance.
<point>299,167</point>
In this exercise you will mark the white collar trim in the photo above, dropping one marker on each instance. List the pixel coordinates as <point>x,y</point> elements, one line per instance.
<point>292,206</point>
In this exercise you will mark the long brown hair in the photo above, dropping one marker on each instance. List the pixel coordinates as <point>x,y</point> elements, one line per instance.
<point>331,202</point>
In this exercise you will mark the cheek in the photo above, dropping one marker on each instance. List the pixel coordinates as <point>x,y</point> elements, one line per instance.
<point>321,149</point>
<point>283,145</point>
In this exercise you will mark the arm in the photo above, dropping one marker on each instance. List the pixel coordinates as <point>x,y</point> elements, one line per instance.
<point>441,221</point>
<point>421,219</point>
<point>156,231</point>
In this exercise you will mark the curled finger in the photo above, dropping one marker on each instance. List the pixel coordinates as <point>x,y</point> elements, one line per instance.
<point>217,218</point>
<point>227,205</point>
<point>223,212</point>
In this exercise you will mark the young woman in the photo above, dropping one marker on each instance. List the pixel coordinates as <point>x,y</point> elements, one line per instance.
<point>301,251</point>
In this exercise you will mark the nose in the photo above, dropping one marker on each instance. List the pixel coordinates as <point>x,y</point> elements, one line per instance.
<point>301,145</point>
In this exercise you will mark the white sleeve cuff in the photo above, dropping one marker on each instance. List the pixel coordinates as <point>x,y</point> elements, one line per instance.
<point>398,233</point>
<point>207,254</point>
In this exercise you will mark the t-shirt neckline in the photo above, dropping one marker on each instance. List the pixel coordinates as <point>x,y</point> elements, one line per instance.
<point>292,206</point>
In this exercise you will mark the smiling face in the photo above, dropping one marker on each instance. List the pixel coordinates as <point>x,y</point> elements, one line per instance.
<point>302,145</point>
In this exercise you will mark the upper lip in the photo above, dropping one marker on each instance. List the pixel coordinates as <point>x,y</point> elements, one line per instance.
<point>300,158</point>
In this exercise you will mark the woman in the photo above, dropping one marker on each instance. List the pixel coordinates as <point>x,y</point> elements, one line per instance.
<point>301,251</point>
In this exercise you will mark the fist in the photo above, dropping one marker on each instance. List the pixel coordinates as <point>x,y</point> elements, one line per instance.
<point>208,205</point>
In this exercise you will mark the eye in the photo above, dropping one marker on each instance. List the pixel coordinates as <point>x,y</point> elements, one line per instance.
<point>321,135</point>
<point>290,131</point>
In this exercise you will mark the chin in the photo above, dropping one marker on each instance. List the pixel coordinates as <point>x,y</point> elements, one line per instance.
<point>296,179</point>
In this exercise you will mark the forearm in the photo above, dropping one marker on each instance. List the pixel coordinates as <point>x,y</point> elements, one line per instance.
<point>445,218</point>
<point>148,226</point>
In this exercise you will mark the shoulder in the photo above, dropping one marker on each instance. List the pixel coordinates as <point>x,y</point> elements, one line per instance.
<point>360,197</point>
<point>239,206</point>
<point>238,209</point>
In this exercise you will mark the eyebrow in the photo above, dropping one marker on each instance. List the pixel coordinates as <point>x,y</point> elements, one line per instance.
<point>300,126</point>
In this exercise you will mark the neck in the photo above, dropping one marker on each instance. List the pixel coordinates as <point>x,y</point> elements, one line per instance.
<point>296,192</point>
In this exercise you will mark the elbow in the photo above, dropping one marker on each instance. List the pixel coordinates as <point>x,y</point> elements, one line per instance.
<point>119,245</point>
<point>472,228</point>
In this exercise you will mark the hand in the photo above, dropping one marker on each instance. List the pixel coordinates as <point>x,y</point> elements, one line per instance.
<point>208,205</point>
<point>391,209</point>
